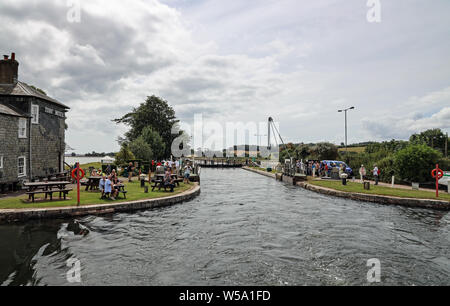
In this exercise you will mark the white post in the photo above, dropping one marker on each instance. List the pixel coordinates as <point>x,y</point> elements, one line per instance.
<point>393,181</point>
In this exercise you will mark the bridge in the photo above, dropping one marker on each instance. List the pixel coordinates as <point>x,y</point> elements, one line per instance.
<point>219,163</point>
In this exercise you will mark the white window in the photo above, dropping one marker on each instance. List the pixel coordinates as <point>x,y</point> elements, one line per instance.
<point>22,128</point>
<point>22,167</point>
<point>1,162</point>
<point>35,114</point>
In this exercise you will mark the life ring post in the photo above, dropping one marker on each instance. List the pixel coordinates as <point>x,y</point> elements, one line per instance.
<point>437,174</point>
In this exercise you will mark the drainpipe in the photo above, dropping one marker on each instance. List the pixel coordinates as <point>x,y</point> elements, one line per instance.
<point>30,143</point>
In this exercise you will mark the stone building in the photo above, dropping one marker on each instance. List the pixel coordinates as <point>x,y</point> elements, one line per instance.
<point>32,130</point>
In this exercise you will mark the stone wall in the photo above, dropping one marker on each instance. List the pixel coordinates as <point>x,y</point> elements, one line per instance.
<point>11,147</point>
<point>47,138</point>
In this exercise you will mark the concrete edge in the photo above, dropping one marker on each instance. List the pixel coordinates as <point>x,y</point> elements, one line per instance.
<point>379,199</point>
<point>268,174</point>
<point>21,215</point>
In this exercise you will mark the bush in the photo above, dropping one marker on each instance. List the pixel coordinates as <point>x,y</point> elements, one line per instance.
<point>415,162</point>
<point>444,164</point>
<point>324,151</point>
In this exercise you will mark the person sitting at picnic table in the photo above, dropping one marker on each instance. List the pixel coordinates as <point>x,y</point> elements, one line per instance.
<point>169,181</point>
<point>101,185</point>
<point>114,174</point>
<point>115,182</point>
<point>187,173</point>
<point>108,188</point>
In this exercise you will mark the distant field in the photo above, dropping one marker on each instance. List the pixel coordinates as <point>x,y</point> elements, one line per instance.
<point>355,149</point>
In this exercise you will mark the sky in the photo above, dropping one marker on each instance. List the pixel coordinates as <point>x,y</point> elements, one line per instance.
<point>235,61</point>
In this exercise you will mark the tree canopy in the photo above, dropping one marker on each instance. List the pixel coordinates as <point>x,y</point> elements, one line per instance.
<point>141,149</point>
<point>154,113</point>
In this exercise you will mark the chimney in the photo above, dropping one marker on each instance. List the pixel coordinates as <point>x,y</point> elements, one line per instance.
<point>9,70</point>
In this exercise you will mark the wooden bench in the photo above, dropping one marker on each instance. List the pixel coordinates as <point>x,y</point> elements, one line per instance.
<point>124,192</point>
<point>178,181</point>
<point>65,192</point>
<point>160,184</point>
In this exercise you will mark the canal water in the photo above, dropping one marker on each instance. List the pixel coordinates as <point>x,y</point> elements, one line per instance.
<point>244,229</point>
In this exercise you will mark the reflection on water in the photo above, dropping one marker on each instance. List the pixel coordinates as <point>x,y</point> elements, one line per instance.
<point>244,229</point>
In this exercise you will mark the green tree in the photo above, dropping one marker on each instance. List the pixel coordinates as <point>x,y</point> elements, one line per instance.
<point>124,155</point>
<point>302,151</point>
<point>415,162</point>
<point>325,151</point>
<point>155,141</point>
<point>141,149</point>
<point>434,138</point>
<point>156,113</point>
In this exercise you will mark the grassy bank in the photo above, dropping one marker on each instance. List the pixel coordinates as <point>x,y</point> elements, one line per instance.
<point>135,192</point>
<point>378,190</point>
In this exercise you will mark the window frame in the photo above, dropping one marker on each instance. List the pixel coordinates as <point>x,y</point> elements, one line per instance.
<point>24,173</point>
<point>34,119</point>
<point>23,136</point>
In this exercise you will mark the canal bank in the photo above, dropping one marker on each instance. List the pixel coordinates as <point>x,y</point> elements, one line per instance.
<point>22,215</point>
<point>373,198</point>
<point>243,229</point>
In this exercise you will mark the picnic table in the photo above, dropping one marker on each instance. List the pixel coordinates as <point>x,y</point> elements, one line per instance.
<point>121,188</point>
<point>158,181</point>
<point>47,188</point>
<point>92,183</point>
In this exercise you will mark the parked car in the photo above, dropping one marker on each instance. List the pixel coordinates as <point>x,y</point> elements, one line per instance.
<point>337,164</point>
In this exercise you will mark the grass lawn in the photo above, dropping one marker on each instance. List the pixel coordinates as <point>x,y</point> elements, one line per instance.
<point>378,190</point>
<point>135,192</point>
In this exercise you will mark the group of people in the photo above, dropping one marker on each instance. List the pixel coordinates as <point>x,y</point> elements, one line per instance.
<point>315,168</point>
<point>376,172</point>
<point>169,168</point>
<point>110,185</point>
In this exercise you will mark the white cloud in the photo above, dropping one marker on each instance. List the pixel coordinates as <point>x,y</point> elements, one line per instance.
<point>238,61</point>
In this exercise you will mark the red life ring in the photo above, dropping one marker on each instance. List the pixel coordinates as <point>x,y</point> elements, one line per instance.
<point>74,173</point>
<point>439,172</point>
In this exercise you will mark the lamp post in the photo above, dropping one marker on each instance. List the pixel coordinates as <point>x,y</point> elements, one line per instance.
<point>345,111</point>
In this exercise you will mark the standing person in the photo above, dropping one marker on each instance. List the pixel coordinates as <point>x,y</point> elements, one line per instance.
<point>362,173</point>
<point>326,169</point>
<point>130,172</point>
<point>313,169</point>
<point>187,173</point>
<point>376,175</point>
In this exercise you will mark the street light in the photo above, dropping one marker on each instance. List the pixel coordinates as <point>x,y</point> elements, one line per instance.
<point>345,111</point>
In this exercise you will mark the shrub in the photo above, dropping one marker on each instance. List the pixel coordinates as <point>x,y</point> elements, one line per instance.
<point>415,162</point>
